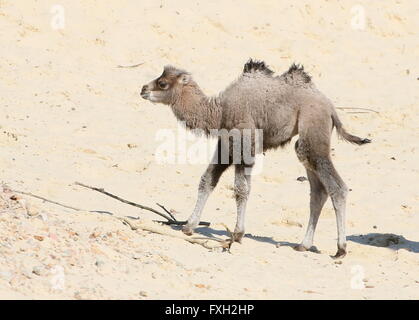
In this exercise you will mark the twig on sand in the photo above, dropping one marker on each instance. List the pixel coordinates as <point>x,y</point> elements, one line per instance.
<point>131,66</point>
<point>54,202</point>
<point>171,220</point>
<point>140,224</point>
<point>101,190</point>
<point>354,108</point>
<point>167,211</point>
<point>154,228</point>
<point>41,198</point>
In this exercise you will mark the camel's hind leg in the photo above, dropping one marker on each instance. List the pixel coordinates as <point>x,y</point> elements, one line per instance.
<point>337,191</point>
<point>318,196</point>
<point>319,163</point>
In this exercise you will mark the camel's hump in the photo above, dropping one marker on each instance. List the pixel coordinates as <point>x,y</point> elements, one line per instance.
<point>252,66</point>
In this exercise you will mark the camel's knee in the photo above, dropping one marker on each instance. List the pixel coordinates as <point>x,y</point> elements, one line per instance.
<point>303,153</point>
<point>241,183</point>
<point>338,190</point>
<point>241,191</point>
<point>205,182</point>
<point>211,176</point>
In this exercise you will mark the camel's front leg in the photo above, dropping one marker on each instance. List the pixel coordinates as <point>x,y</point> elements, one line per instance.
<point>241,191</point>
<point>208,182</point>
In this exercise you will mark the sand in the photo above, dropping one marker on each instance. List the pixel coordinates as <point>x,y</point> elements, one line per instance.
<point>68,113</point>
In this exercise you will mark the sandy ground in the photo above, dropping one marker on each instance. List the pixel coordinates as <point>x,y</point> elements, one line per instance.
<point>68,113</point>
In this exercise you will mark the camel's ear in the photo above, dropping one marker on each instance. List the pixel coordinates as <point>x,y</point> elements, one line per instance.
<point>184,78</point>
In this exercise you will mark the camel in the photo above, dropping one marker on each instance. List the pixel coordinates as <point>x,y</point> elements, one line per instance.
<point>282,106</point>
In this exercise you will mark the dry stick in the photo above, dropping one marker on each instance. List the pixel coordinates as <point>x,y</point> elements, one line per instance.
<point>134,225</point>
<point>366,109</point>
<point>57,203</point>
<point>169,221</point>
<point>101,190</point>
<point>203,241</point>
<point>132,66</point>
<point>167,211</point>
<point>45,199</point>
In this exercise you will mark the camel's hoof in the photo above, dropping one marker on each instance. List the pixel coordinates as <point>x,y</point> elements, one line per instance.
<point>238,236</point>
<point>187,230</point>
<point>300,247</point>
<point>340,254</point>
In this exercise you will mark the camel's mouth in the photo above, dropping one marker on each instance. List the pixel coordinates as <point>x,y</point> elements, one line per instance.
<point>145,92</point>
<point>145,95</point>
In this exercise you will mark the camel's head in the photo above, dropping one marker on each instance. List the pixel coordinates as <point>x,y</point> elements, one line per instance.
<point>166,87</point>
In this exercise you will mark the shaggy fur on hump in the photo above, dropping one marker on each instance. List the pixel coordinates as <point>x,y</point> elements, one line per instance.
<point>296,72</point>
<point>257,65</point>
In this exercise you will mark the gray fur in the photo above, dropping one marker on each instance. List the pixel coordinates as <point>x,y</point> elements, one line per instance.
<point>282,106</point>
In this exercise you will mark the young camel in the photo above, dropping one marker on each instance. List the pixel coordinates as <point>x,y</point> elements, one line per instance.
<point>282,106</point>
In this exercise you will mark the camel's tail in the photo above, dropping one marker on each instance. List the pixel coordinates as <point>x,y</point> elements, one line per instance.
<point>345,135</point>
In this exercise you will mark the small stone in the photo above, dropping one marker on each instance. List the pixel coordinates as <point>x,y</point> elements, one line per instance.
<point>301,179</point>
<point>143,293</point>
<point>53,236</point>
<point>38,270</point>
<point>94,235</point>
<point>31,210</point>
<point>137,256</point>
<point>39,238</point>
<point>99,263</point>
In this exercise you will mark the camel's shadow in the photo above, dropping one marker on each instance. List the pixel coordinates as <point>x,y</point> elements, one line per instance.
<point>210,232</point>
<point>386,240</point>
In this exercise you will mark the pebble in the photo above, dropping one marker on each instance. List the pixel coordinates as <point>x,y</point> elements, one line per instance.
<point>99,263</point>
<point>38,270</point>
<point>137,256</point>
<point>143,294</point>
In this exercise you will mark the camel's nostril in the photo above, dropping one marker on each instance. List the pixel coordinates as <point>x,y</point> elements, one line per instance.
<point>144,89</point>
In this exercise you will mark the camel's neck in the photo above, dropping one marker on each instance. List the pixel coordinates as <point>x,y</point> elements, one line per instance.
<point>196,110</point>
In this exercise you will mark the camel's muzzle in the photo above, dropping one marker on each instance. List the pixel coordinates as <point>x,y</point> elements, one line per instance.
<point>145,92</point>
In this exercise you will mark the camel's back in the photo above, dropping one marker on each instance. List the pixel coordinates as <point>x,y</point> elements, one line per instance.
<point>260,101</point>
<point>250,97</point>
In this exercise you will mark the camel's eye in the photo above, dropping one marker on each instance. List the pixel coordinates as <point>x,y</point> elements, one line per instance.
<point>163,85</point>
